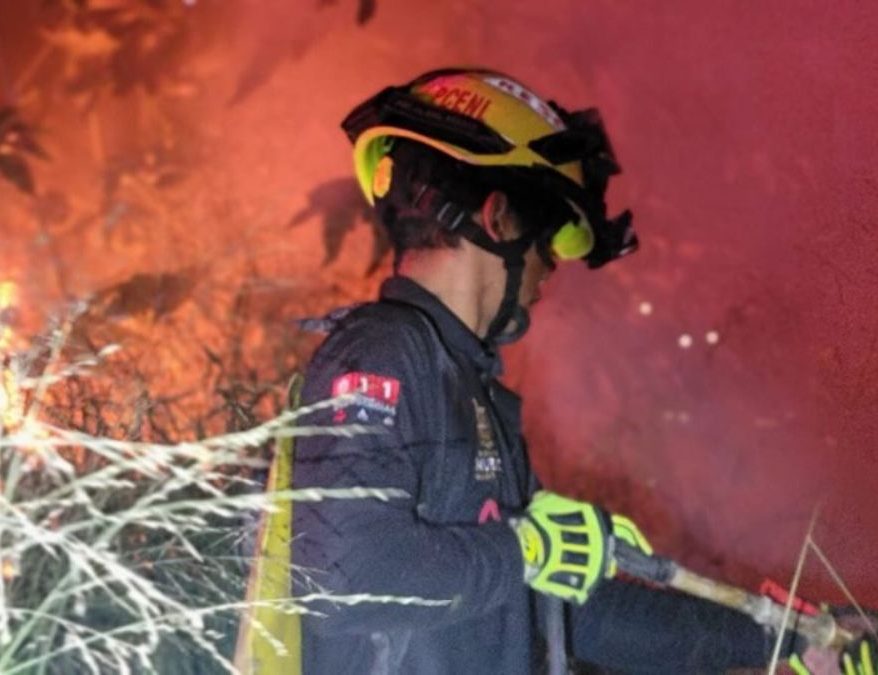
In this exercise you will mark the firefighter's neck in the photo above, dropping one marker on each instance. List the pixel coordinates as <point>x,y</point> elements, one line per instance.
<point>468,280</point>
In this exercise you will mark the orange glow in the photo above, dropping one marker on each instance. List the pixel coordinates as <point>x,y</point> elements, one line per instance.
<point>13,403</point>
<point>8,300</point>
<point>11,400</point>
<point>198,194</point>
<point>9,569</point>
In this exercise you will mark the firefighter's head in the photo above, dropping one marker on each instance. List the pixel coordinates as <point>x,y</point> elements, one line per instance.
<point>474,155</point>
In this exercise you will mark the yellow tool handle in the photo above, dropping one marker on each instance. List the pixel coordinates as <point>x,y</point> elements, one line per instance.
<point>820,630</point>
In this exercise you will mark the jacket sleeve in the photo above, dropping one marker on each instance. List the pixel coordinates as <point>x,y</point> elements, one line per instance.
<point>636,629</point>
<point>383,548</point>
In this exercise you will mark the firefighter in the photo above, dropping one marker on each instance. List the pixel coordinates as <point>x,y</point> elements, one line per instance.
<point>483,187</point>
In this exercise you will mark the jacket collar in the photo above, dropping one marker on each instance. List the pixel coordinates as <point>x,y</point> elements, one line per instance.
<point>453,332</point>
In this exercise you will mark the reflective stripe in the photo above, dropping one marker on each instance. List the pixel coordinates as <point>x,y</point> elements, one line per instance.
<point>270,579</point>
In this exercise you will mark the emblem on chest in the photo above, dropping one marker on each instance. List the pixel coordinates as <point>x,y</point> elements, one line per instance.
<point>487,463</point>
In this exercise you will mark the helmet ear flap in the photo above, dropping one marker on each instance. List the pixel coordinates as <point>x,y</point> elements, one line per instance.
<point>366,165</point>
<point>573,241</point>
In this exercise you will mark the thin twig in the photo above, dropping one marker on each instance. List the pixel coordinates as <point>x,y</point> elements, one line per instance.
<point>287,605</point>
<point>836,577</point>
<point>803,553</point>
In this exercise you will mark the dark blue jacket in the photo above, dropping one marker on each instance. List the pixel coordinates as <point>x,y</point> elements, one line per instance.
<point>452,442</point>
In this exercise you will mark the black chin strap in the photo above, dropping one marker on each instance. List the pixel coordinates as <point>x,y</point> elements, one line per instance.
<point>511,320</point>
<point>518,326</point>
<point>509,307</point>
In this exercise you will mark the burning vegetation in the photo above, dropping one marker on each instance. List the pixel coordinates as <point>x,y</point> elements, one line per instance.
<point>146,336</point>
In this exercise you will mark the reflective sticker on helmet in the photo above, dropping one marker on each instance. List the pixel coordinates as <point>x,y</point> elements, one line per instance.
<point>458,99</point>
<point>523,94</point>
<point>383,177</point>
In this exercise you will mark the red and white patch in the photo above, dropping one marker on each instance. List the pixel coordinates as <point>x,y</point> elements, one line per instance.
<point>372,398</point>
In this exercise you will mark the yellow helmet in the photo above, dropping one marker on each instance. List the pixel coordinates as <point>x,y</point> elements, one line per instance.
<point>487,119</point>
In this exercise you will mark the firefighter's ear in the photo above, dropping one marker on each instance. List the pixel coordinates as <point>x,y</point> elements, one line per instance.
<point>498,218</point>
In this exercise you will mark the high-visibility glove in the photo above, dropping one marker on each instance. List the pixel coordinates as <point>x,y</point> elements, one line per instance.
<point>624,529</point>
<point>566,545</point>
<point>860,657</point>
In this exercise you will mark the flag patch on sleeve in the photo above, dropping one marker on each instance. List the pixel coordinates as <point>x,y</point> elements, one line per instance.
<point>371,398</point>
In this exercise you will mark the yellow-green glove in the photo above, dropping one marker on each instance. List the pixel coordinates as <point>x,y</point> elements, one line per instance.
<point>860,657</point>
<point>624,529</point>
<point>564,546</point>
<point>567,546</point>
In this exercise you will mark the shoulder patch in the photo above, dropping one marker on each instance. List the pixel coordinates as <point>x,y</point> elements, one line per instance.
<point>372,398</point>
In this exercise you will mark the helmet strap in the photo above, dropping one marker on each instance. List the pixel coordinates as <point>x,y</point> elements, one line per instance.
<point>511,320</point>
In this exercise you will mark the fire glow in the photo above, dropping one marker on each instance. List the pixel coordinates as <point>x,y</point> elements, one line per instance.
<point>8,301</point>
<point>11,400</point>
